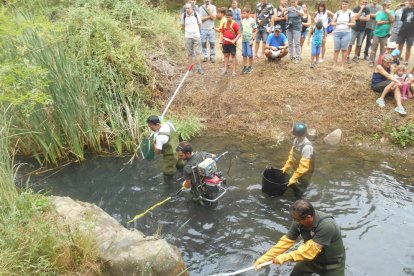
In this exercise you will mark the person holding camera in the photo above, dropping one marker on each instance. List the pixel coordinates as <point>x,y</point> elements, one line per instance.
<point>264,13</point>
<point>293,15</point>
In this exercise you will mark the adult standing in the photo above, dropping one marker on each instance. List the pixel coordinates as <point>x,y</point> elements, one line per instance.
<point>193,5</point>
<point>277,45</point>
<point>343,21</point>
<point>323,15</point>
<point>166,140</point>
<point>208,13</point>
<point>384,19</point>
<point>323,251</point>
<point>236,12</point>
<point>383,81</point>
<point>294,15</point>
<point>264,13</point>
<point>397,21</point>
<point>279,17</point>
<point>362,15</point>
<point>191,22</point>
<point>306,23</point>
<point>406,34</point>
<point>369,28</point>
<point>301,160</point>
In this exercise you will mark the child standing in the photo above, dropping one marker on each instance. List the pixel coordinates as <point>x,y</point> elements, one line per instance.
<point>319,36</point>
<point>231,33</point>
<point>249,30</point>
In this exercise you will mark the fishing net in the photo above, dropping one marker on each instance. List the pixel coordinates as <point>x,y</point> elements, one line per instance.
<point>147,149</point>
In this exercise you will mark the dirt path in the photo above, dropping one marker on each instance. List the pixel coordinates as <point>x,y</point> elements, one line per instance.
<point>266,102</point>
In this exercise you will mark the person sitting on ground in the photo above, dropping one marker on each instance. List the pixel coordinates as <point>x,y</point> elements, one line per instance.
<point>391,46</point>
<point>410,81</point>
<point>322,252</point>
<point>276,45</point>
<point>185,153</point>
<point>249,30</point>
<point>166,139</point>
<point>301,160</point>
<point>231,33</point>
<point>318,36</point>
<point>401,76</point>
<point>191,22</point>
<point>383,81</point>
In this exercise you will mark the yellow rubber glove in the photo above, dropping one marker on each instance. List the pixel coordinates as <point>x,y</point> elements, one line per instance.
<point>186,184</point>
<point>304,166</point>
<point>282,245</point>
<point>289,162</point>
<point>306,252</point>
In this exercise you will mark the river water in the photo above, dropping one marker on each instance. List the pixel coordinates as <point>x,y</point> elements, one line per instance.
<point>370,196</point>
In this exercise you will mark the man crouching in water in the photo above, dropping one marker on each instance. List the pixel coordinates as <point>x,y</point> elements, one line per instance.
<point>185,153</point>
<point>301,160</point>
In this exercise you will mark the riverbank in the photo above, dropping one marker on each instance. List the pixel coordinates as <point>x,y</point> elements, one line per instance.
<point>265,103</point>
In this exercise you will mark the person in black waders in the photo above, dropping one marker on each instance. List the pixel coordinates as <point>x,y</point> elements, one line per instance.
<point>185,153</point>
<point>301,160</point>
<point>165,142</point>
<point>323,251</point>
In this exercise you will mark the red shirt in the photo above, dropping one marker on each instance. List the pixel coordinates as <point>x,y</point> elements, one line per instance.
<point>230,30</point>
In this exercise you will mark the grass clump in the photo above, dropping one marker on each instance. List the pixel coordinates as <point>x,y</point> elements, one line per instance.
<point>404,135</point>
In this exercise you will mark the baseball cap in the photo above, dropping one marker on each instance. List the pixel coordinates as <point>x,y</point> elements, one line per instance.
<point>395,53</point>
<point>277,28</point>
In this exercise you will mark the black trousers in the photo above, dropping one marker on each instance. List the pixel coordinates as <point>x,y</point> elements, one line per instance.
<point>368,36</point>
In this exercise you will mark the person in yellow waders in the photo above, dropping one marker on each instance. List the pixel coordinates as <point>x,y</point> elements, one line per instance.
<point>165,142</point>
<point>323,251</point>
<point>301,160</point>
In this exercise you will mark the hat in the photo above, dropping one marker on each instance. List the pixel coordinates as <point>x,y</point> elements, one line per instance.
<point>388,58</point>
<point>392,45</point>
<point>395,53</point>
<point>277,28</point>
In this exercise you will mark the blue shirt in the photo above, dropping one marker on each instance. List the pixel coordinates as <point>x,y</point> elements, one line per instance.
<point>272,40</point>
<point>318,36</point>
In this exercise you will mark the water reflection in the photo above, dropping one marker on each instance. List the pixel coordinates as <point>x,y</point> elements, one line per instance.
<point>370,196</point>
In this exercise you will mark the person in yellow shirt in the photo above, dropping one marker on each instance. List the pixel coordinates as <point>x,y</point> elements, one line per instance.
<point>301,160</point>
<point>322,252</point>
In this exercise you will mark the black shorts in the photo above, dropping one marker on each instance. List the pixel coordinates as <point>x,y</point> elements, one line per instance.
<point>379,87</point>
<point>229,49</point>
<point>402,39</point>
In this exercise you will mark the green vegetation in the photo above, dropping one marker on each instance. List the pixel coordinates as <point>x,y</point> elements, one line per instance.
<point>403,135</point>
<point>77,75</point>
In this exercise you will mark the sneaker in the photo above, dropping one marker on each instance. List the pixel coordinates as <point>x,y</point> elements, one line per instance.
<point>200,71</point>
<point>296,61</point>
<point>371,64</point>
<point>401,110</point>
<point>205,59</point>
<point>249,70</point>
<point>348,60</point>
<point>292,59</point>
<point>380,102</point>
<point>233,74</point>
<point>312,65</point>
<point>366,58</point>
<point>355,59</point>
<point>244,71</point>
<point>212,60</point>
<point>224,71</point>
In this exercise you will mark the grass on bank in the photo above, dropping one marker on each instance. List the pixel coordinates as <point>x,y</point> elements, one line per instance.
<point>32,239</point>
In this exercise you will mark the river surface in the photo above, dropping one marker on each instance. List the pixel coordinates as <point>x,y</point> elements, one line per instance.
<point>370,196</point>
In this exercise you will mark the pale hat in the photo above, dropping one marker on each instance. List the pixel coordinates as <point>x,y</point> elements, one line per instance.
<point>392,45</point>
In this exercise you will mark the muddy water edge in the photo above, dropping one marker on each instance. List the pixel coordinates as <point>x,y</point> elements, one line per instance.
<point>369,194</point>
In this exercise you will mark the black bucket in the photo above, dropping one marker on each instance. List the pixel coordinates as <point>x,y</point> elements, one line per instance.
<point>274,182</point>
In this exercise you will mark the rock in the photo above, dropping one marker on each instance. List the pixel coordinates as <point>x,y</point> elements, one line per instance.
<point>333,138</point>
<point>127,252</point>
<point>312,134</point>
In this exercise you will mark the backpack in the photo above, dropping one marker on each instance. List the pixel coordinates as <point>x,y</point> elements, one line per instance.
<point>226,28</point>
<point>195,14</point>
<point>337,15</point>
<point>330,28</point>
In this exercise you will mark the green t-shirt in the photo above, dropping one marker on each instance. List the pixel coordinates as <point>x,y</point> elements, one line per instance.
<point>384,29</point>
<point>248,27</point>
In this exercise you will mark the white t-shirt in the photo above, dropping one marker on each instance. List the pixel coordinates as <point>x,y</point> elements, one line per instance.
<point>160,139</point>
<point>191,25</point>
<point>342,18</point>
<point>322,17</point>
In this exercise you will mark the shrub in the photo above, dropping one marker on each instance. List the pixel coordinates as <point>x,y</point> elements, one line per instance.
<point>404,135</point>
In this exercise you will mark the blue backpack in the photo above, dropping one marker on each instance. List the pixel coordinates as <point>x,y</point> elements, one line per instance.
<point>330,27</point>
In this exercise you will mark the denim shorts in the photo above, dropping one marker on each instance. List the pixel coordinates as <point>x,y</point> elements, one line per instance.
<point>247,49</point>
<point>341,40</point>
<point>262,35</point>
<point>316,50</point>
<point>358,36</point>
